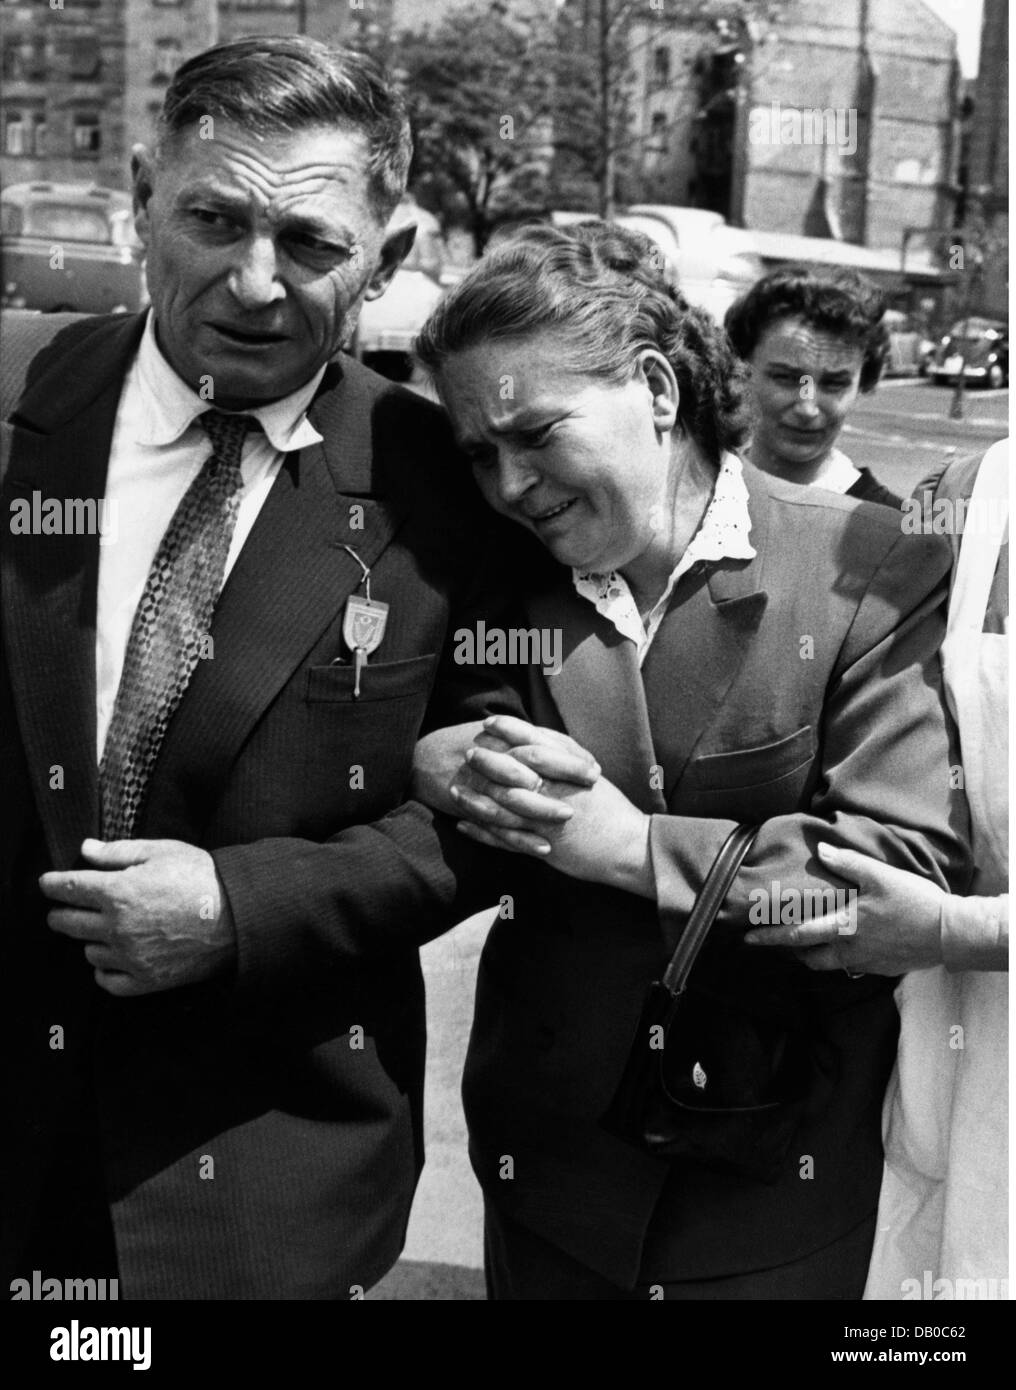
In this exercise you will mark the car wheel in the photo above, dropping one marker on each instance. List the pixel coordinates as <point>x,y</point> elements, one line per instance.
<point>996,376</point>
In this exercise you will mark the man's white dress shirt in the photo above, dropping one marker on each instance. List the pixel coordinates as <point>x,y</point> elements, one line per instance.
<point>157,451</point>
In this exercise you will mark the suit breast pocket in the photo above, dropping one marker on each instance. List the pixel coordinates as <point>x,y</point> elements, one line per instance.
<point>755,783</point>
<point>381,681</point>
<point>358,748</point>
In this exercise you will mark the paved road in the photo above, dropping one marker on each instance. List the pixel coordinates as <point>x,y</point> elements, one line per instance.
<point>901,432</point>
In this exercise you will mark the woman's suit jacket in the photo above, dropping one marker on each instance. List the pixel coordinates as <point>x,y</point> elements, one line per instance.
<point>802,689</point>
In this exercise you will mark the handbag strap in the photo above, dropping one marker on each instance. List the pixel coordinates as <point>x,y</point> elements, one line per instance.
<point>707,905</point>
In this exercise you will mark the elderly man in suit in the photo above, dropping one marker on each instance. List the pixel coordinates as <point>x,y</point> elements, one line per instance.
<point>214,1012</point>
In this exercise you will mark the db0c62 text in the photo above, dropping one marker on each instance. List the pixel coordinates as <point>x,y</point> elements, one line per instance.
<point>940,1331</point>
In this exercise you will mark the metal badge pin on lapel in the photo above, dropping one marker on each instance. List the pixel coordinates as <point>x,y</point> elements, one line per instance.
<point>363,625</point>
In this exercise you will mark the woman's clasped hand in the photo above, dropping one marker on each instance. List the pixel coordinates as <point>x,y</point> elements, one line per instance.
<point>536,791</point>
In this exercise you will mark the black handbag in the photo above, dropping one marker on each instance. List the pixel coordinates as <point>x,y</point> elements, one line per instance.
<point>707,1078</point>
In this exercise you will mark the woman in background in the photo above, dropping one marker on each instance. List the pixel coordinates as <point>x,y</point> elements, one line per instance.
<point>813,343</point>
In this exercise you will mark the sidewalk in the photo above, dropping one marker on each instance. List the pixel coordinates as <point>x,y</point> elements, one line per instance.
<point>443,1258</point>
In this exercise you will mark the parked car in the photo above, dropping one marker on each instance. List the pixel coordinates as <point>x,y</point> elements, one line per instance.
<point>714,263</point>
<point>388,326</point>
<point>70,246</point>
<point>910,350</point>
<point>980,347</point>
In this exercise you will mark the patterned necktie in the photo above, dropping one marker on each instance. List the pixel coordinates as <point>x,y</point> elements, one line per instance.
<point>171,623</point>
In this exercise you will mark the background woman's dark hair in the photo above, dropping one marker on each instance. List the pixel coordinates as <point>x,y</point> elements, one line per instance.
<point>608,293</point>
<point>842,302</point>
<point>281,84</point>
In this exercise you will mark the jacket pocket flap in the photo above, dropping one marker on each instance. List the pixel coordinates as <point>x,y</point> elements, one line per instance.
<point>751,767</point>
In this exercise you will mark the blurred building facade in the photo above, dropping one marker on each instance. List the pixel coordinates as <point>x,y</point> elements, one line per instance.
<point>682,101</point>
<point>891,68</point>
<point>414,14</point>
<point>830,120</point>
<point>62,93</point>
<point>985,190</point>
<point>83,80</point>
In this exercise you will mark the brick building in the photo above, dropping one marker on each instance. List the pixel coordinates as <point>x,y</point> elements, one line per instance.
<point>666,98</point>
<point>890,67</point>
<point>711,124</point>
<point>61,100</point>
<point>987,163</point>
<point>84,79</point>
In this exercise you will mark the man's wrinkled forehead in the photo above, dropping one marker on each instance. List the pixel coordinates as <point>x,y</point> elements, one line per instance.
<point>322,171</point>
<point>338,152</point>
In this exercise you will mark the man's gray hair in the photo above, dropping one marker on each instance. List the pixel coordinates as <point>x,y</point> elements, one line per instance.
<point>280,84</point>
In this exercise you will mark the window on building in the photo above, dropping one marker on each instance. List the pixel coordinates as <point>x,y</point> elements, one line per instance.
<point>14,63</point>
<point>15,133</point>
<point>661,64</point>
<point>25,61</point>
<point>10,220</point>
<point>168,56</point>
<point>24,131</point>
<point>35,60</point>
<point>658,133</point>
<point>86,136</point>
<point>85,58</point>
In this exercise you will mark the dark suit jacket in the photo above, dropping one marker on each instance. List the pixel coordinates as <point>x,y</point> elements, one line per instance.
<point>800,689</point>
<point>867,488</point>
<point>301,1077</point>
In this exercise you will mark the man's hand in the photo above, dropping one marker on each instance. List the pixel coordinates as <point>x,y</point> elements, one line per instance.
<point>898,921</point>
<point>439,757</point>
<point>151,913</point>
<point>436,759</point>
<point>537,791</point>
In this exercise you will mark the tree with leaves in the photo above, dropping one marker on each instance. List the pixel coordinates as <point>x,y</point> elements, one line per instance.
<point>517,112</point>
<point>480,88</point>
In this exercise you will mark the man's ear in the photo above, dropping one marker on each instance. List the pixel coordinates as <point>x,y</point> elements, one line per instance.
<point>397,246</point>
<point>142,184</point>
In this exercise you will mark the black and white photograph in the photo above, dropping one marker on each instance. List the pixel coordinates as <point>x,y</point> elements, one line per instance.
<point>505,703</point>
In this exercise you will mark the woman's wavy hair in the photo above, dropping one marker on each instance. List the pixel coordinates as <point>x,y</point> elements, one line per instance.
<point>607,292</point>
<point>841,302</point>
